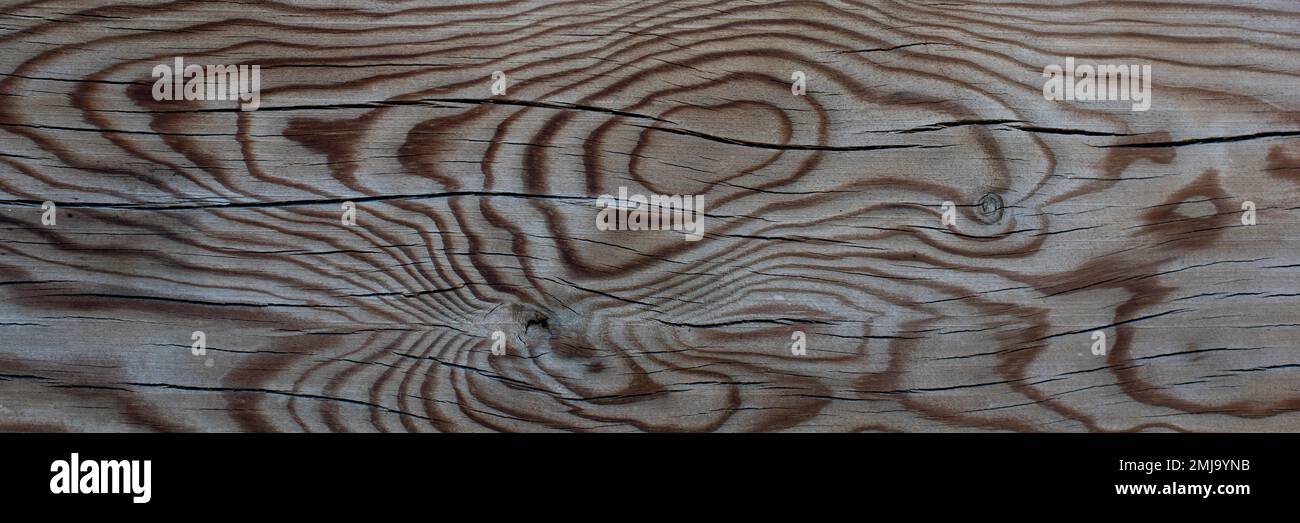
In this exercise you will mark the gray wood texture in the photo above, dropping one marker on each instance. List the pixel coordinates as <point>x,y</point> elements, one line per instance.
<point>475,213</point>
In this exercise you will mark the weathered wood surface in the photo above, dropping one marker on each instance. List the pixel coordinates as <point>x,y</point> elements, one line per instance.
<point>475,214</point>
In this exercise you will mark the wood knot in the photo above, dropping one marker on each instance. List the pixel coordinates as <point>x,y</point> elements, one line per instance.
<point>989,209</point>
<point>539,321</point>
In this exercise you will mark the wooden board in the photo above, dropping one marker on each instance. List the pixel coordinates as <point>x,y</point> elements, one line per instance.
<point>475,213</point>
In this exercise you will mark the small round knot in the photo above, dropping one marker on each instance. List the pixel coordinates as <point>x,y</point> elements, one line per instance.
<point>989,208</point>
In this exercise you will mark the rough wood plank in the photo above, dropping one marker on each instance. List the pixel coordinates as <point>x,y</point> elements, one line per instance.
<point>475,213</point>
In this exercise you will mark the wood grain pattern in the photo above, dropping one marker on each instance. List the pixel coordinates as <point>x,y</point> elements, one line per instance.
<point>475,214</point>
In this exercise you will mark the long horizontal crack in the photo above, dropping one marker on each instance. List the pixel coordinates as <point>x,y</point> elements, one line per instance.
<point>378,104</point>
<point>293,203</point>
<point>1202,141</point>
<point>785,147</point>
